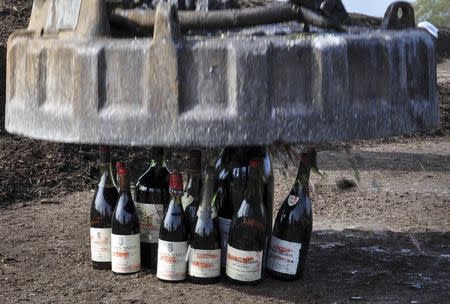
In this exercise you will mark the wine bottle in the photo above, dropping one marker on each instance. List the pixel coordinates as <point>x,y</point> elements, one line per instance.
<point>267,176</point>
<point>125,237</point>
<point>247,235</point>
<point>263,154</point>
<point>232,177</point>
<point>173,236</point>
<point>225,211</point>
<point>191,197</point>
<point>292,229</point>
<point>102,207</point>
<point>204,251</point>
<point>151,197</point>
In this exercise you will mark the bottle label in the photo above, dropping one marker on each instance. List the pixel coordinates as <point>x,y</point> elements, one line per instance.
<point>125,253</point>
<point>150,221</point>
<point>224,227</point>
<point>204,263</point>
<point>172,260</point>
<point>244,265</point>
<point>186,200</point>
<point>101,244</point>
<point>293,200</point>
<point>283,256</point>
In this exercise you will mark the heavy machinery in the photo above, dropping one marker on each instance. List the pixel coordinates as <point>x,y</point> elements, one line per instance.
<point>83,72</point>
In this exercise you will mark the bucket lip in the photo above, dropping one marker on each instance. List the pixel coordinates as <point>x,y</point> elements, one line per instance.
<point>430,28</point>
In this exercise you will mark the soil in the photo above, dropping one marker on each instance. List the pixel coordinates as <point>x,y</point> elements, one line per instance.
<point>443,43</point>
<point>387,240</point>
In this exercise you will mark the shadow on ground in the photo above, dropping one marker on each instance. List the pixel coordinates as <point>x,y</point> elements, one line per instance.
<point>375,267</point>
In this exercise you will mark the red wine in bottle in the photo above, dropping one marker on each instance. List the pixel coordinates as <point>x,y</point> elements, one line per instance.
<point>191,197</point>
<point>292,229</point>
<point>247,235</point>
<point>173,236</point>
<point>204,251</point>
<point>102,208</point>
<point>125,237</point>
<point>151,197</point>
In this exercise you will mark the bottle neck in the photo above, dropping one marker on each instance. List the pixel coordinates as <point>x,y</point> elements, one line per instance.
<point>157,160</point>
<point>194,182</point>
<point>105,168</point>
<point>254,186</point>
<point>205,211</point>
<point>302,179</point>
<point>157,156</point>
<point>195,161</point>
<point>176,197</point>
<point>124,184</point>
<point>207,193</point>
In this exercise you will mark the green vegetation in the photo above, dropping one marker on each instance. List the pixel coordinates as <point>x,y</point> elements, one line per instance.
<point>434,11</point>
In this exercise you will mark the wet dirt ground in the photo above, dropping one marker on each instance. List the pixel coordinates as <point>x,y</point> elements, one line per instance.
<point>385,241</point>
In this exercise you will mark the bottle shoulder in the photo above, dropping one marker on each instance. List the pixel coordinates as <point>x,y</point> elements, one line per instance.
<point>249,208</point>
<point>106,180</point>
<point>296,204</point>
<point>173,226</point>
<point>109,191</point>
<point>293,217</point>
<point>104,200</point>
<point>174,209</point>
<point>205,228</point>
<point>125,219</point>
<point>125,202</point>
<point>249,217</point>
<point>155,170</point>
